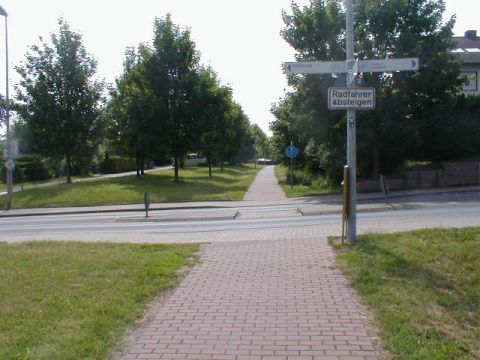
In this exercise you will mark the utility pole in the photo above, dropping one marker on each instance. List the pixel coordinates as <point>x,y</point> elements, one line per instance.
<point>351,68</point>
<point>7,118</point>
<point>351,128</point>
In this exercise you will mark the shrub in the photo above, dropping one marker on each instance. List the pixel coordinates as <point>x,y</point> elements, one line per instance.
<point>30,168</point>
<point>117,164</point>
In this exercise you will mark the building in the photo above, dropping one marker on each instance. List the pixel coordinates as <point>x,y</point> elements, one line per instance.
<point>468,50</point>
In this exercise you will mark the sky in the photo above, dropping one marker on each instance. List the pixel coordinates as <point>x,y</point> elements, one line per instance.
<point>239,39</point>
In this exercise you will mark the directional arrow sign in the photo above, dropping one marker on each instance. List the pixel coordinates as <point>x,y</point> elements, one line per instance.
<point>315,67</point>
<point>329,67</point>
<point>406,64</point>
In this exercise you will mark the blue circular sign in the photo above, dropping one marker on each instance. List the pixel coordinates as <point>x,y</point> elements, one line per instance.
<point>291,152</point>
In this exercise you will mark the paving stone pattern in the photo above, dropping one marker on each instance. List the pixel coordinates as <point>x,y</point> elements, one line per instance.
<point>277,299</point>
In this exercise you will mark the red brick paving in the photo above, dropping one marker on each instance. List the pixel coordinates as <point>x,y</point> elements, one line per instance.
<point>259,300</point>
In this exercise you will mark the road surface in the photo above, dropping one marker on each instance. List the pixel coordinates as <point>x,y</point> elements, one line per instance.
<point>226,224</point>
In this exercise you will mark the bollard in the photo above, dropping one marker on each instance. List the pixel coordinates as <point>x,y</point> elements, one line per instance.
<point>146,201</point>
<point>346,199</point>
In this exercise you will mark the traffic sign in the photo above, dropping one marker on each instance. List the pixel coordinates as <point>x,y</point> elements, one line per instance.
<point>344,98</point>
<point>315,67</point>
<point>11,149</point>
<point>10,164</point>
<point>330,67</point>
<point>387,65</point>
<point>291,152</point>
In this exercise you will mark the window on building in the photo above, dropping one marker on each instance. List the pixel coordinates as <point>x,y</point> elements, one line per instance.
<point>471,77</point>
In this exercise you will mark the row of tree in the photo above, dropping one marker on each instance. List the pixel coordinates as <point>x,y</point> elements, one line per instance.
<point>418,116</point>
<point>164,105</point>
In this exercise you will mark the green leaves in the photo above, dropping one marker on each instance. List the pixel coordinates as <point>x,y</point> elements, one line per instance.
<point>408,103</point>
<point>61,101</point>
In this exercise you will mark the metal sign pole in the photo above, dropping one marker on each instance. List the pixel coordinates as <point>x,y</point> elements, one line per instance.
<point>351,129</point>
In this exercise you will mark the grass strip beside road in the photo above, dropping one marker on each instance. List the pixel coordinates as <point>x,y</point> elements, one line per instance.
<point>194,185</point>
<point>69,300</point>
<point>423,288</point>
<point>319,185</point>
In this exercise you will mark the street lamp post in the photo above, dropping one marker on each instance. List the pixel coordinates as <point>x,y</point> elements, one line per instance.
<point>7,115</point>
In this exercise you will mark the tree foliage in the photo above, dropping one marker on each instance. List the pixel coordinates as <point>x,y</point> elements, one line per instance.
<point>166,104</point>
<point>408,103</point>
<point>60,100</point>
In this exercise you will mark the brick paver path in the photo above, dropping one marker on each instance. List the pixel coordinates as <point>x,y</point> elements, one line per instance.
<point>277,296</point>
<point>265,187</point>
<point>270,299</point>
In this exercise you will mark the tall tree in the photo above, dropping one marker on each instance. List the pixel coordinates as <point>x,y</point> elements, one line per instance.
<point>172,70</point>
<point>60,100</point>
<point>408,102</point>
<point>131,110</point>
<point>213,103</point>
<point>402,122</point>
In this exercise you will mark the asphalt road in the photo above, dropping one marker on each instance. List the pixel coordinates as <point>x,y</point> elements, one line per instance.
<point>252,223</point>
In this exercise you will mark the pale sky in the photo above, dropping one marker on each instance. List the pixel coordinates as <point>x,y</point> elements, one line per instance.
<point>239,39</point>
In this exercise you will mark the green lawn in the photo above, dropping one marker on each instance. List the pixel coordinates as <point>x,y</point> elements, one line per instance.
<point>319,185</point>
<point>195,185</point>
<point>68,300</point>
<point>423,288</point>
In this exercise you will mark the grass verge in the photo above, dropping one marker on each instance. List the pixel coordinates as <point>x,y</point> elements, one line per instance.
<point>194,185</point>
<point>67,300</point>
<point>319,185</point>
<point>424,289</point>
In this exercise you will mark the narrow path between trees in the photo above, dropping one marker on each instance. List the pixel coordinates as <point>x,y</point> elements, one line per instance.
<point>265,187</point>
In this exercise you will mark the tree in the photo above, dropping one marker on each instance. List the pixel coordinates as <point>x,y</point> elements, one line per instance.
<point>407,102</point>
<point>172,69</point>
<point>60,100</point>
<point>213,103</point>
<point>165,102</point>
<point>131,110</point>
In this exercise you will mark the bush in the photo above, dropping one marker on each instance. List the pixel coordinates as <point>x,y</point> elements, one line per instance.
<point>30,168</point>
<point>117,164</point>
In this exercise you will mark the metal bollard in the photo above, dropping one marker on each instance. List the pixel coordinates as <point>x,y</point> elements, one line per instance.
<point>146,201</point>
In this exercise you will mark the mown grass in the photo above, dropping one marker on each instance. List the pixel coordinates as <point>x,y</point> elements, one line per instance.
<point>423,288</point>
<point>319,185</point>
<point>194,185</point>
<point>68,300</point>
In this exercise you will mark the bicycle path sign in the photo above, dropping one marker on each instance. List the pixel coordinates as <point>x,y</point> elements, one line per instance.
<point>291,152</point>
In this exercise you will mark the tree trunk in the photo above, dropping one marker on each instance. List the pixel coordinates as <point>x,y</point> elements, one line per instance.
<point>137,165</point>
<point>142,165</point>
<point>376,161</point>
<point>175,164</point>
<point>209,167</point>
<point>68,166</point>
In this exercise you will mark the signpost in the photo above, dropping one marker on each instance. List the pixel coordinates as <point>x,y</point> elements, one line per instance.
<point>315,67</point>
<point>388,65</point>
<point>341,67</point>
<point>351,99</point>
<point>291,152</point>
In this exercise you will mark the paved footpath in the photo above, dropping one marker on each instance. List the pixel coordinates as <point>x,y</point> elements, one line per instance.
<point>265,187</point>
<point>280,298</point>
<point>253,300</point>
